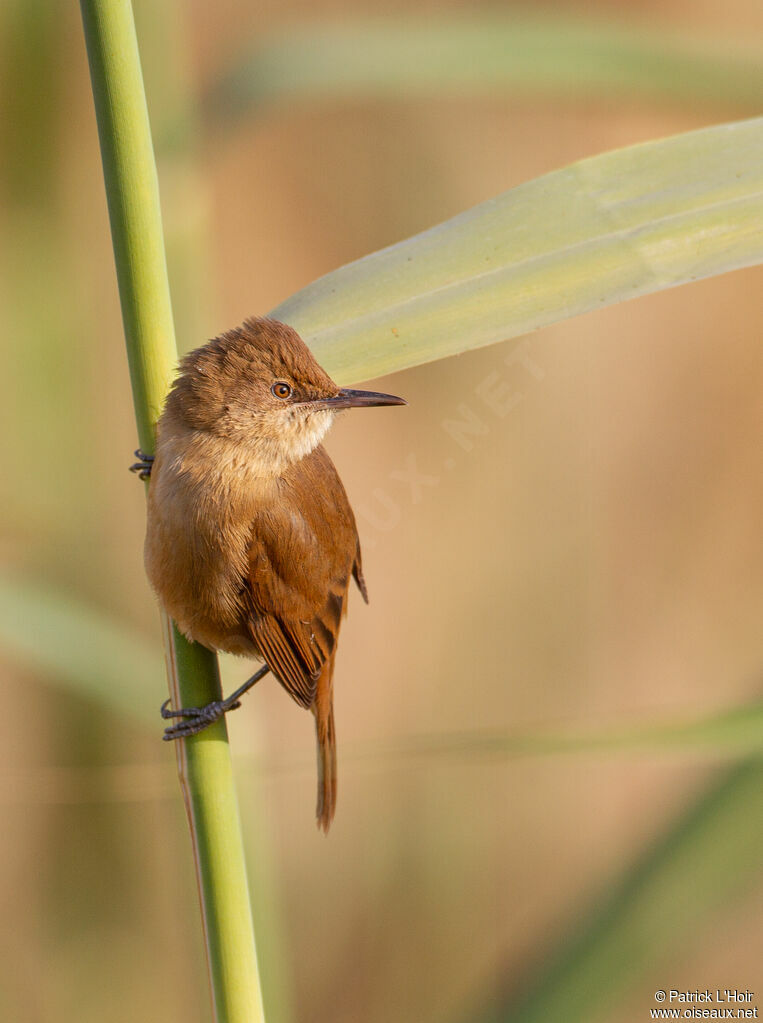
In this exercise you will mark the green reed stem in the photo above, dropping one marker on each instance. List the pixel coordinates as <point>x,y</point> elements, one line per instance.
<point>203,760</point>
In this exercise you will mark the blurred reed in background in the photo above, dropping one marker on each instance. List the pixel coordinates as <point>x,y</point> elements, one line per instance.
<point>589,566</point>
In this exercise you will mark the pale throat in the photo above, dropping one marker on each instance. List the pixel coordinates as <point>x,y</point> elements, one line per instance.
<point>297,435</point>
<point>303,433</point>
<point>259,454</point>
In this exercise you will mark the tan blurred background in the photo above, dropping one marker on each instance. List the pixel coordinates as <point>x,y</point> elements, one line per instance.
<point>593,560</point>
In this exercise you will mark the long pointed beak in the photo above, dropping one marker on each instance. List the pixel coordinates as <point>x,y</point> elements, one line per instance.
<point>348,398</point>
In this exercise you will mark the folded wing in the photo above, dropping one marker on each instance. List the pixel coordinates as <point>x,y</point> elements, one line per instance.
<point>303,550</point>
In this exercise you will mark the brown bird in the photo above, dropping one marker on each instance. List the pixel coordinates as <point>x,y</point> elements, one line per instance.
<point>251,540</point>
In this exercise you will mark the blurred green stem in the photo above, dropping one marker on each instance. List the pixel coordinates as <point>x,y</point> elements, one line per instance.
<point>699,867</point>
<point>204,760</point>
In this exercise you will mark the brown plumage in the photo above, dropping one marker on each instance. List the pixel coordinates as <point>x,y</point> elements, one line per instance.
<point>251,541</point>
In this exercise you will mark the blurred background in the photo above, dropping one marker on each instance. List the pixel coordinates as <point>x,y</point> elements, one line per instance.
<point>518,836</point>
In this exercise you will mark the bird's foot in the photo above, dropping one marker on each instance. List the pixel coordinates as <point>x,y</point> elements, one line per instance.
<point>143,465</point>
<point>195,719</point>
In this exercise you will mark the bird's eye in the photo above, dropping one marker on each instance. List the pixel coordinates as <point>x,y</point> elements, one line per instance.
<point>281,390</point>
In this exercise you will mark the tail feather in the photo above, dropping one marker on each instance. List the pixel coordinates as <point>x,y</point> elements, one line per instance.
<point>326,736</point>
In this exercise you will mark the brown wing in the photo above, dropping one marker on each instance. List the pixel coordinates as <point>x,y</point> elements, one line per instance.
<point>304,548</point>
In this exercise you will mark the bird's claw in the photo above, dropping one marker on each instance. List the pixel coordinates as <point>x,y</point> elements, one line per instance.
<point>143,465</point>
<point>195,719</point>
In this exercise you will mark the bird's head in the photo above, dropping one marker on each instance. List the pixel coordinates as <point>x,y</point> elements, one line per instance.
<point>260,387</point>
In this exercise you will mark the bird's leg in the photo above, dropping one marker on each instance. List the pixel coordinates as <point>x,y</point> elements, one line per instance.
<point>195,719</point>
<point>143,465</point>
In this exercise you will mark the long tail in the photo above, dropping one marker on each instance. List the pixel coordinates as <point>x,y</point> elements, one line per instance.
<point>323,709</point>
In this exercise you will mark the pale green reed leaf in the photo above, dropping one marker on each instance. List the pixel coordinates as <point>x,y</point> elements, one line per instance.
<point>606,229</point>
